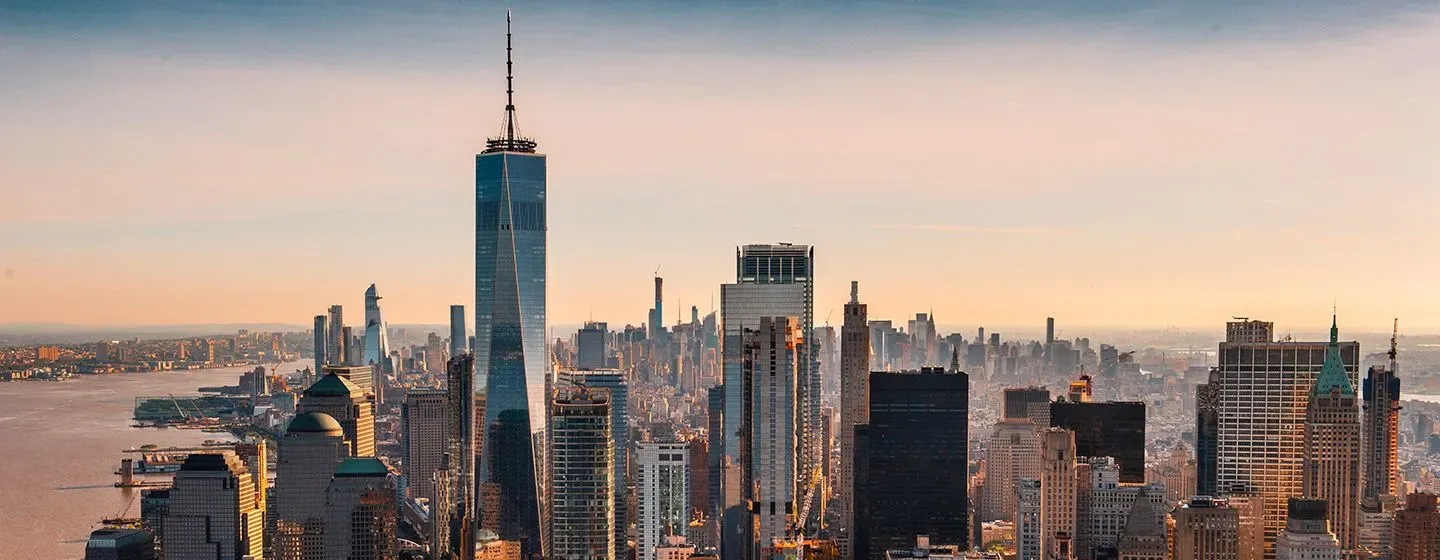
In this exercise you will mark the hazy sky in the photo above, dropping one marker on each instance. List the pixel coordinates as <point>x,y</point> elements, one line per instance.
<point>1122,164</point>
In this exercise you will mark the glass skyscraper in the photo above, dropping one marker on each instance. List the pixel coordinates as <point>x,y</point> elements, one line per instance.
<point>512,365</point>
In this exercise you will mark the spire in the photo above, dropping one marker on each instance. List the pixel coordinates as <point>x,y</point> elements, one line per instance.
<point>854,291</point>
<point>955,360</point>
<point>1332,376</point>
<point>510,139</point>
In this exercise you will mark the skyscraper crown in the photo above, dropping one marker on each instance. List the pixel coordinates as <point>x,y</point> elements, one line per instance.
<point>509,139</point>
<point>1332,376</point>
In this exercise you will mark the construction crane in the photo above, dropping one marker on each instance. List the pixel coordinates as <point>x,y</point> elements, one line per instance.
<point>1394,342</point>
<point>808,497</point>
<point>183,413</point>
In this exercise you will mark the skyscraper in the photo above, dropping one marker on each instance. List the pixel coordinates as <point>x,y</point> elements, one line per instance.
<point>854,407</point>
<point>347,404</point>
<point>120,544</point>
<point>360,507</point>
<point>1381,398</point>
<point>1207,436</point>
<point>1143,537</point>
<point>591,345</point>
<point>313,445</point>
<point>1049,337</point>
<point>1106,429</point>
<point>583,507</point>
<point>614,383</point>
<point>657,313</point>
<point>1331,460</point>
<point>512,359</point>
<point>1206,528</point>
<point>320,346</point>
<point>1264,390</point>
<point>770,281</point>
<point>459,341</point>
<point>335,324</point>
<point>1012,455</point>
<point>214,514</point>
<point>772,360</point>
<point>1307,533</point>
<point>377,341</point>
<point>918,434</point>
<point>425,418</point>
<point>1057,494</point>
<point>1417,529</point>
<point>1027,519</point>
<point>662,494</point>
<point>458,508</point>
<point>1028,402</point>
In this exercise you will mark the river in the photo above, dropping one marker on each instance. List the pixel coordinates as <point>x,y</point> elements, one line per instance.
<point>60,444</point>
<point>1423,398</point>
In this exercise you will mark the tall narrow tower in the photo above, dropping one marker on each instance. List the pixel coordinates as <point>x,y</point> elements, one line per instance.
<point>512,362</point>
<point>854,406</point>
<point>1332,445</point>
<point>1378,501</point>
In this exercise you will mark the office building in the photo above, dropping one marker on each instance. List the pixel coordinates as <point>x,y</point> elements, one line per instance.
<point>1417,529</point>
<point>120,544</point>
<point>154,507</point>
<point>321,333</point>
<point>511,355</point>
<point>1251,505</point>
<point>1057,494</point>
<point>918,440</point>
<point>1331,460</point>
<point>313,445</point>
<point>657,314</point>
<point>1307,533</point>
<point>854,408</point>
<point>614,383</point>
<point>354,409</point>
<point>773,355</point>
<point>455,512</point>
<point>214,512</point>
<point>362,377</point>
<point>1105,505</point>
<point>592,345</point>
<point>1206,528</point>
<point>770,281</point>
<point>583,499</point>
<point>1106,429</point>
<point>425,417</point>
<point>459,340</point>
<point>1207,436</point>
<point>662,494</point>
<point>1049,338</point>
<point>1031,403</point>
<point>377,340</point>
<point>1378,500</point>
<point>1264,390</point>
<point>339,340</point>
<point>1143,537</point>
<point>1013,454</point>
<point>360,512</point>
<point>1027,519</point>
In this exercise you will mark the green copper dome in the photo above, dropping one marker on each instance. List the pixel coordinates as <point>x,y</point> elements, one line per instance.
<point>332,386</point>
<point>1332,376</point>
<point>361,466</point>
<point>314,422</point>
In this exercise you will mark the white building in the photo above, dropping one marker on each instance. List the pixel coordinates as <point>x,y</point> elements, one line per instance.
<point>1027,519</point>
<point>1307,533</point>
<point>1014,454</point>
<point>773,361</point>
<point>1106,505</point>
<point>662,495</point>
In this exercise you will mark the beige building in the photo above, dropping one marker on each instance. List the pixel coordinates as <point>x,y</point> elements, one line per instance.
<point>214,512</point>
<point>1205,529</point>
<point>1307,533</point>
<point>1014,454</point>
<point>425,415</point>
<point>854,407</point>
<point>349,405</point>
<point>1332,446</point>
<point>360,512</point>
<point>313,445</point>
<point>1057,494</point>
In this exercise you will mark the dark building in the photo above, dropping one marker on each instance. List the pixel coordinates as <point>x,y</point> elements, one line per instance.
<point>1106,429</point>
<point>120,544</point>
<point>1019,401</point>
<point>715,401</point>
<point>1207,436</point>
<point>910,462</point>
<point>154,506</point>
<point>592,345</point>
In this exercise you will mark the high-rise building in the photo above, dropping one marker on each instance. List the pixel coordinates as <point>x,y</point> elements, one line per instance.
<point>320,332</point>
<point>1143,537</point>
<point>456,506</point>
<point>426,419</point>
<point>360,512</point>
<point>770,281</point>
<point>1106,429</point>
<point>1013,454</point>
<point>1378,500</point>
<point>377,340</point>
<point>592,345</point>
<point>1057,494</point>
<point>918,440</point>
<point>214,513</point>
<point>1206,528</point>
<point>1049,337</point>
<point>1207,436</point>
<point>1264,390</point>
<point>1028,402</point>
<point>349,405</point>
<point>459,341</point>
<point>657,313</point>
<point>1104,506</point>
<point>512,358</point>
<point>120,544</point>
<point>583,499</point>
<point>1331,460</point>
<point>362,376</point>
<point>154,507</point>
<point>313,445</point>
<point>614,383</point>
<point>1307,533</point>
<point>854,408</point>
<point>335,325</point>
<point>1417,529</point>
<point>773,353</point>
<point>1027,520</point>
<point>662,494</point>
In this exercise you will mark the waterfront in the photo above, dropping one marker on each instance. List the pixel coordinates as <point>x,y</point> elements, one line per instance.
<point>61,444</point>
<point>1422,398</point>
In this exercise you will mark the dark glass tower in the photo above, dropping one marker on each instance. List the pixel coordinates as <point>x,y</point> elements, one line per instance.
<point>910,462</point>
<point>1207,436</point>
<point>511,359</point>
<point>1106,429</point>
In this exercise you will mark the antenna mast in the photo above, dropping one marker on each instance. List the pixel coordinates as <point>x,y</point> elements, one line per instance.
<point>510,139</point>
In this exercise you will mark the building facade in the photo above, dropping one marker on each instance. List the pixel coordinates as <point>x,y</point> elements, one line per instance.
<point>1206,528</point>
<point>349,405</point>
<point>773,353</point>
<point>312,447</point>
<point>214,512</point>
<point>425,417</point>
<point>662,494</point>
<point>1417,529</point>
<point>583,500</point>
<point>1106,429</point>
<point>1058,493</point>
<point>360,512</point>
<point>854,408</point>
<point>1331,460</point>
<point>1307,533</point>
<point>1013,454</point>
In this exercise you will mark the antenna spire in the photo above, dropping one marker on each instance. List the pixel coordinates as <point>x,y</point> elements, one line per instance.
<point>510,139</point>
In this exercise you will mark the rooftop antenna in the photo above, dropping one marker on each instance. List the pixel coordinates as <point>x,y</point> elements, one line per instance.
<point>510,139</point>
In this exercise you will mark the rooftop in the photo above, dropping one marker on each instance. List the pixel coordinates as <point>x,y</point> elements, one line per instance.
<point>332,385</point>
<point>314,422</point>
<point>361,467</point>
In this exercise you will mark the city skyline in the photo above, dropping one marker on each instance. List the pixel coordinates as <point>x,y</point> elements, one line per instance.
<point>1155,140</point>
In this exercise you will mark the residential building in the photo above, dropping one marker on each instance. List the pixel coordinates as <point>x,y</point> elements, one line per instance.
<point>773,353</point>
<point>583,498</point>
<point>662,495</point>
<point>613,381</point>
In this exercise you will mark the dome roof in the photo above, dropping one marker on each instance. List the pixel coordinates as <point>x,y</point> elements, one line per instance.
<point>314,422</point>
<point>332,386</point>
<point>361,467</point>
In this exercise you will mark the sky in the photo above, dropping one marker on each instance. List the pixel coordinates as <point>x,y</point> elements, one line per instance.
<point>1114,164</point>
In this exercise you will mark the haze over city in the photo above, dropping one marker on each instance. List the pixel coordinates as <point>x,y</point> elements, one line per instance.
<point>1133,165</point>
